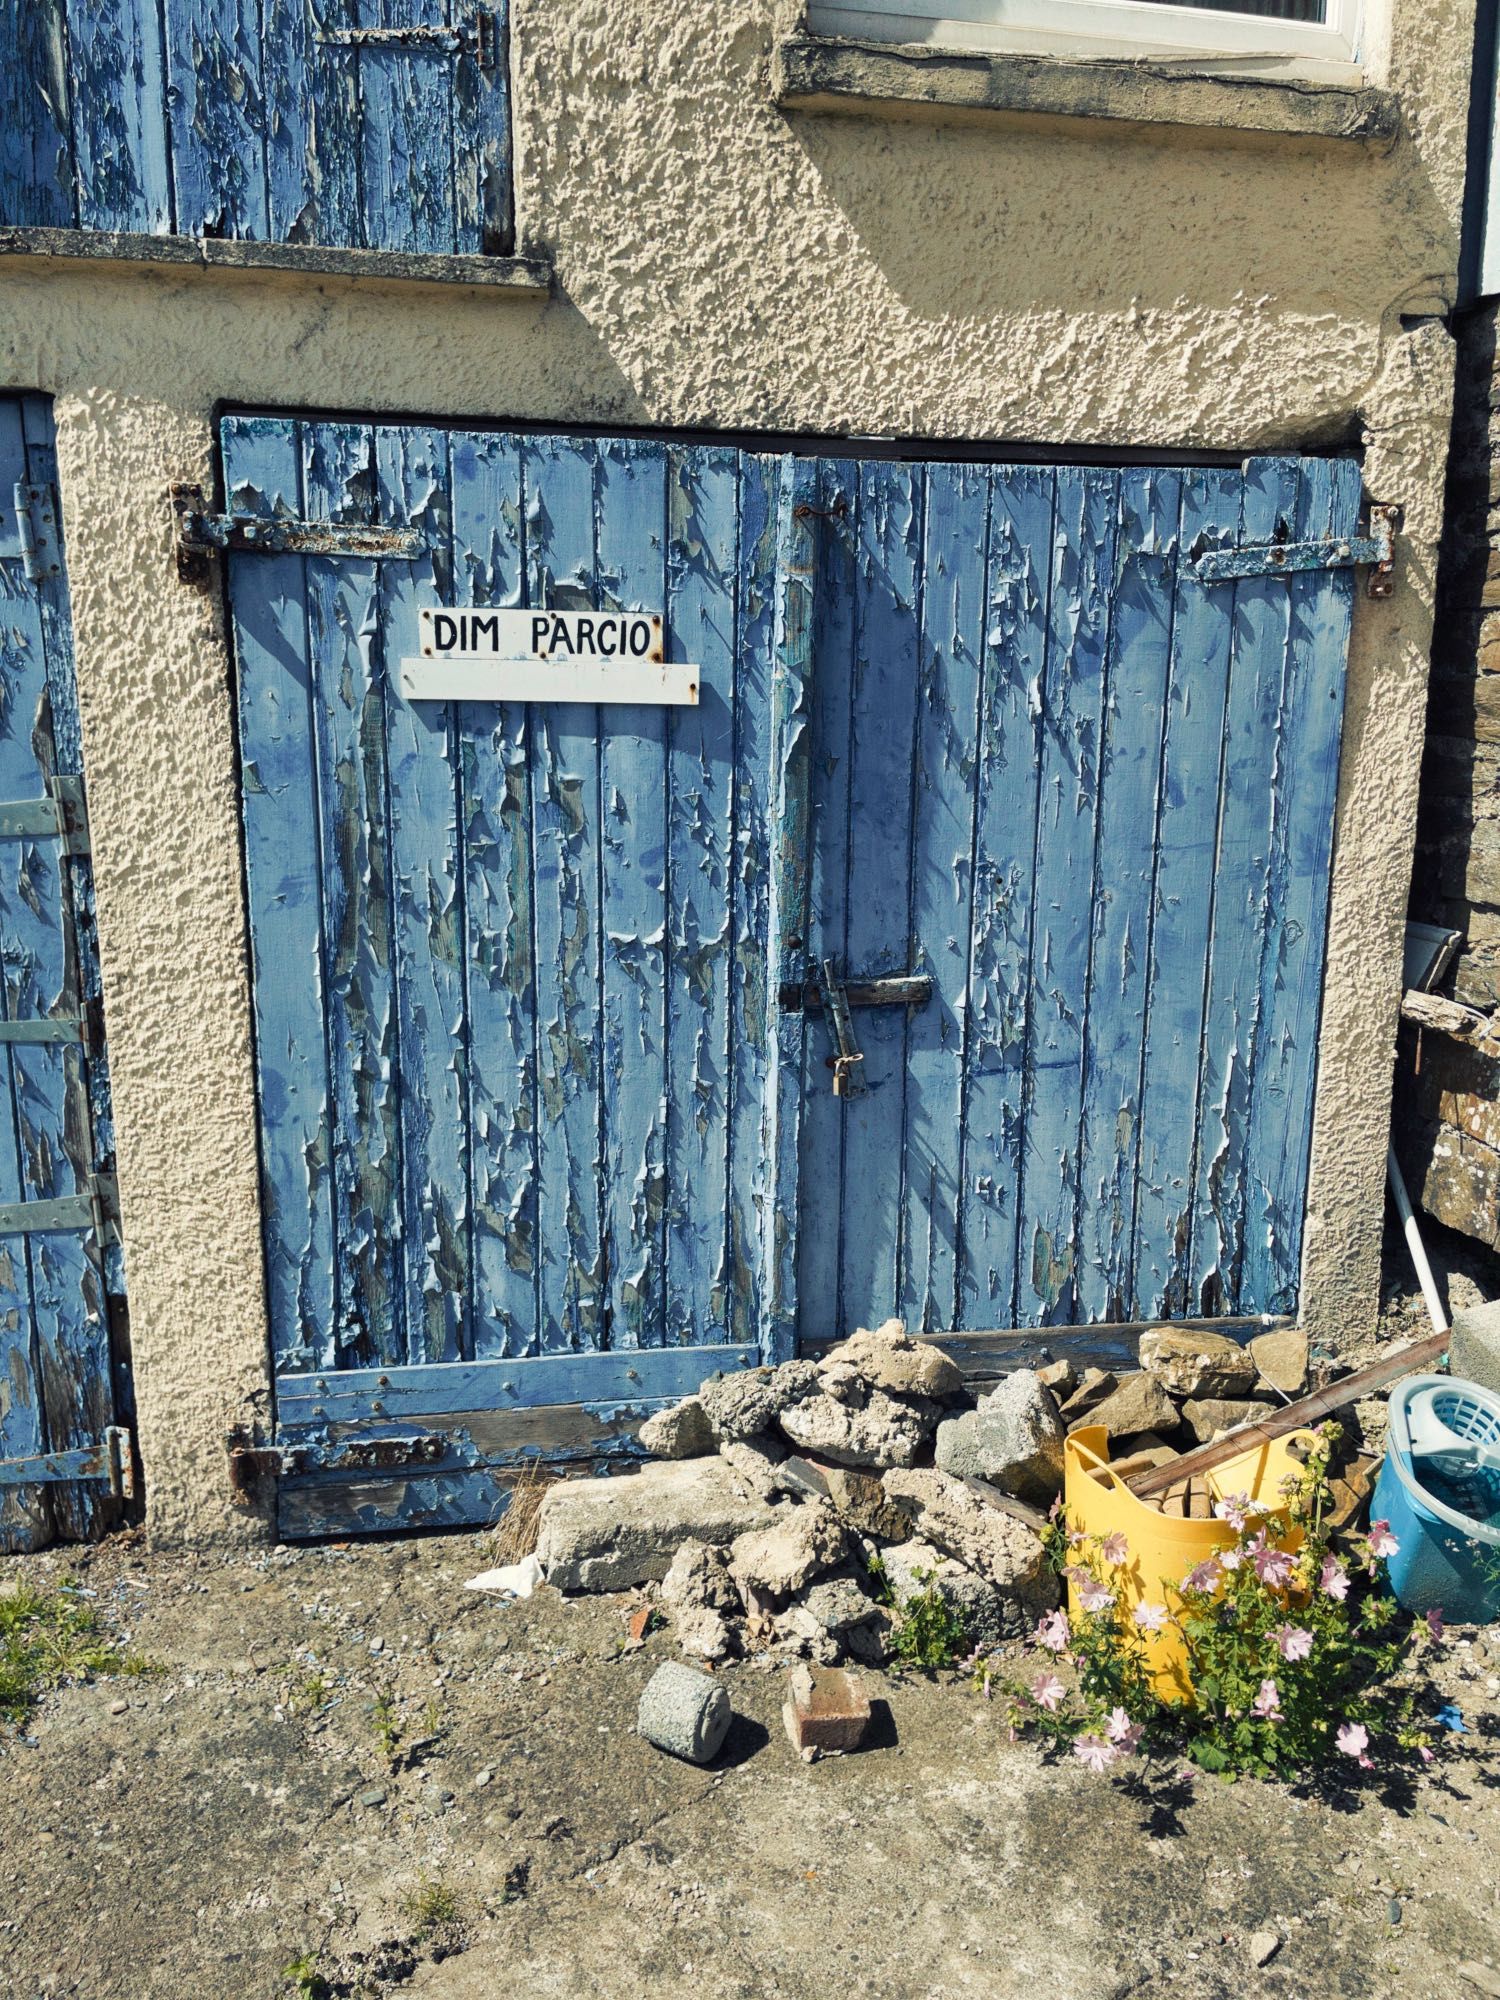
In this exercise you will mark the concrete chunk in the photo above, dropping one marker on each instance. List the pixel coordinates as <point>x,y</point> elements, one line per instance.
<point>883,1432</point>
<point>886,1358</point>
<point>801,1543</point>
<point>998,1547</point>
<point>1192,1362</point>
<point>1139,1404</point>
<point>607,1534</point>
<point>681,1432</point>
<point>1019,1438</point>
<point>685,1713</point>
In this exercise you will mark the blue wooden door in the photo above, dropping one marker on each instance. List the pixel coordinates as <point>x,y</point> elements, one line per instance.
<point>1090,796</point>
<point>64,1452</point>
<point>513,1022</point>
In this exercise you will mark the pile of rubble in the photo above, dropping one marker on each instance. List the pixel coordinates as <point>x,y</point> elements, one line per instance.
<point>793,1511</point>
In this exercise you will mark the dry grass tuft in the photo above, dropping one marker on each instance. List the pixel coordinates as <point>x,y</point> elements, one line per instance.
<point>515,1533</point>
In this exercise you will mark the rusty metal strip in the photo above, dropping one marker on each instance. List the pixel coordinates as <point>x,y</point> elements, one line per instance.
<point>112,1460</point>
<point>1289,558</point>
<point>808,999</point>
<point>201,534</point>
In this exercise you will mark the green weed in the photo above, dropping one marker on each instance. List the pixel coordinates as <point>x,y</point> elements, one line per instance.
<point>931,1634</point>
<point>304,1979</point>
<point>431,1906</point>
<point>386,1724</point>
<point>49,1639</point>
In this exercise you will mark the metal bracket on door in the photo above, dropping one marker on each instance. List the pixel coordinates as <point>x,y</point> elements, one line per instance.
<point>202,535</point>
<point>111,1460</point>
<point>1377,549</point>
<point>62,815</point>
<point>848,1078</point>
<point>478,37</point>
<point>36,523</point>
<point>249,1463</point>
<point>901,992</point>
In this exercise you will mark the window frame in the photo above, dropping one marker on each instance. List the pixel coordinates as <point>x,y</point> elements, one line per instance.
<point>1108,29</point>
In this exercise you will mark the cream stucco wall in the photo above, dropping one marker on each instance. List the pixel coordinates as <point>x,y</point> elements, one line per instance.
<point>725,265</point>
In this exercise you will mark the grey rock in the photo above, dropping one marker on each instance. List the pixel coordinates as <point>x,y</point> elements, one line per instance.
<point>999,1548</point>
<point>1139,1404</point>
<point>886,1358</point>
<point>1191,1362</point>
<point>705,1633</point>
<point>375,1796</point>
<point>681,1432</point>
<point>607,1534</point>
<point>839,1603</point>
<point>684,1713</point>
<point>699,1579</point>
<point>739,1405</point>
<point>1281,1359</point>
<point>781,1559</point>
<point>1262,1946</point>
<point>1019,1434</point>
<point>956,1446</point>
<point>989,1615</point>
<point>1206,1416</point>
<point>754,1462</point>
<point>1093,1386</point>
<point>881,1433</point>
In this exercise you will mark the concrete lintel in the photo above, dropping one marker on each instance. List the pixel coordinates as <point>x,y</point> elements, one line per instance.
<point>830,73</point>
<point>526,276</point>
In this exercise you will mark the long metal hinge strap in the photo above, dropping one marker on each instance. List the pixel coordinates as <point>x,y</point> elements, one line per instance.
<point>477,37</point>
<point>36,523</point>
<point>1292,558</point>
<point>62,1028</point>
<point>111,1460</point>
<point>62,815</point>
<point>201,535</point>
<point>96,1209</point>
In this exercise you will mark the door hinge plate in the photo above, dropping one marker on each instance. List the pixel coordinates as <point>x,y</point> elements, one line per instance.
<point>36,522</point>
<point>249,1462</point>
<point>97,1209</point>
<point>111,1460</point>
<point>202,535</point>
<point>478,37</point>
<point>1376,548</point>
<point>62,815</point>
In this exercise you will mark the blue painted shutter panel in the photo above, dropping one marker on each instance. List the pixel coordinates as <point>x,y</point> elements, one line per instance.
<point>119,116</point>
<point>37,181</point>
<point>216,116</point>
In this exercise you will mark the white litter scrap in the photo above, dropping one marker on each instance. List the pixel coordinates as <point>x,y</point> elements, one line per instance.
<point>511,1580</point>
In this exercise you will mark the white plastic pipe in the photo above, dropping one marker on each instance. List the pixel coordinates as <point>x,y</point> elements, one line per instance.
<point>1415,1244</point>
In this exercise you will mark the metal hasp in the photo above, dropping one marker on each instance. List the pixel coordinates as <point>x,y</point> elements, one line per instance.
<point>62,816</point>
<point>250,1463</point>
<point>202,535</point>
<point>96,1208</point>
<point>112,1460</point>
<point>848,1080</point>
<point>478,37</point>
<point>36,523</point>
<point>1377,548</point>
<point>808,998</point>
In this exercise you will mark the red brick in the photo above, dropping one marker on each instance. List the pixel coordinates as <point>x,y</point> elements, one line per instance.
<point>826,1709</point>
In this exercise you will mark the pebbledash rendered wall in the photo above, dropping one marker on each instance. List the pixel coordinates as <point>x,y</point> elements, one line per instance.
<point>725,262</point>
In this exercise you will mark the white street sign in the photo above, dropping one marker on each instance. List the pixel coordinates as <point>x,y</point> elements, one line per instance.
<point>475,654</point>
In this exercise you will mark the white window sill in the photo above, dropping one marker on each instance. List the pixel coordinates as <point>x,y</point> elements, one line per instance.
<point>862,76</point>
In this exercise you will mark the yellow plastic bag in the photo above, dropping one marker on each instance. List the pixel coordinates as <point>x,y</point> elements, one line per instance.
<point>1162,1551</point>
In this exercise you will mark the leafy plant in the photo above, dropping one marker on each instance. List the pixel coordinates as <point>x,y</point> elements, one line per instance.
<point>385,1721</point>
<point>930,1633</point>
<point>431,1906</point>
<point>1293,1657</point>
<point>51,1638</point>
<point>303,1977</point>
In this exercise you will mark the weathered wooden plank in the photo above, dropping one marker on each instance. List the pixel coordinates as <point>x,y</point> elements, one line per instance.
<point>1007,781</point>
<point>554,1432</point>
<point>312,125</point>
<point>702,549</point>
<point>791,751</point>
<point>835,530</point>
<point>1241,889</point>
<point>1182,900</point>
<point>888,609</point>
<point>600,1380</point>
<point>1071,700</point>
<point>955,553</point>
<point>216,116</point>
<point>631,505</point>
<point>37,182</point>
<point>359,978</point>
<point>499,949</point>
<point>118,91</point>
<point>279,805</point>
<point>49,1084</point>
<point>483,182</point>
<point>406,95</point>
<point>428,924</point>
<point>1306,790</point>
<point>1130,772</point>
<point>561,567</point>
<point>752,1023</point>
<point>377,1504</point>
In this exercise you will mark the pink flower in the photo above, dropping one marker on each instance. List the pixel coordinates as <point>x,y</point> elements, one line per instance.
<point>1334,1578</point>
<point>1053,1632</point>
<point>1273,1567</point>
<point>1382,1541</point>
<point>1151,1617</point>
<point>1353,1739</point>
<point>1204,1577</point>
<point>1231,1558</point>
<point>1094,1752</point>
<point>1435,1621</point>
<point>1094,1597</point>
<point>1121,1731</point>
<point>1047,1692</point>
<point>1267,1704</point>
<point>1424,1753</point>
<point>1114,1548</point>
<point>1293,1642</point>
<point>1055,1509</point>
<point>1233,1508</point>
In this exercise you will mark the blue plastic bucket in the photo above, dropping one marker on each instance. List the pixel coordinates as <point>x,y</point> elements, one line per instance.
<point>1439,1487</point>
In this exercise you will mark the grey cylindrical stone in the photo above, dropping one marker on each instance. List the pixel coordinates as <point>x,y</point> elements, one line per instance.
<point>684,1713</point>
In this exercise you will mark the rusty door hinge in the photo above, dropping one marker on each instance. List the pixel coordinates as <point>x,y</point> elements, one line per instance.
<point>111,1460</point>
<point>1375,549</point>
<point>251,1462</point>
<point>478,37</point>
<point>202,535</point>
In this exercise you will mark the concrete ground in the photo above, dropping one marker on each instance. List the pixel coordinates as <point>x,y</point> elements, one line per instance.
<point>349,1760</point>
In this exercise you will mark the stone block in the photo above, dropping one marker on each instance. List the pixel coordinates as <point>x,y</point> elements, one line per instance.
<point>1191,1362</point>
<point>1206,1416</point>
<point>1019,1437</point>
<point>681,1432</point>
<point>1093,1386</point>
<point>1474,1348</point>
<point>1061,1377</point>
<point>607,1534</point>
<point>826,1710</point>
<point>1139,1404</point>
<point>685,1713</point>
<point>1281,1359</point>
